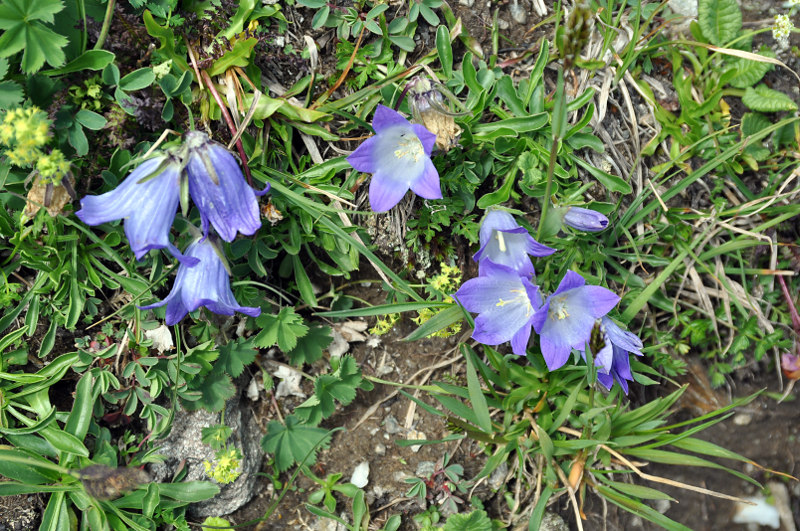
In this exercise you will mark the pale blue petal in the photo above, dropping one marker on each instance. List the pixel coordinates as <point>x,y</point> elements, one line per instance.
<point>427,185</point>
<point>571,280</point>
<point>363,158</point>
<point>555,352</point>
<point>519,343</point>
<point>427,138</point>
<point>385,117</point>
<point>384,193</point>
<point>598,300</point>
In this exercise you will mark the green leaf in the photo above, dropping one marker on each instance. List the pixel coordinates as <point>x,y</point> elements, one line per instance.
<point>638,508</point>
<point>234,356</point>
<point>476,395</point>
<point>90,119</point>
<point>610,181</point>
<point>81,415</point>
<point>41,44</point>
<point>445,50</point>
<point>338,386</point>
<point>88,60</point>
<point>188,491</point>
<point>291,442</point>
<point>238,56</point>
<point>310,346</point>
<point>166,37</point>
<point>720,20</point>
<point>749,72</point>
<point>453,314</point>
<point>765,99</point>
<point>10,94</point>
<point>475,521</point>
<point>753,122</point>
<point>137,80</point>
<point>282,329</point>
<point>215,389</point>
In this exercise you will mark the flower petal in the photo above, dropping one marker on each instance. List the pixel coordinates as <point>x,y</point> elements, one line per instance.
<point>363,158</point>
<point>384,193</point>
<point>385,117</point>
<point>427,185</point>
<point>570,280</point>
<point>599,300</point>
<point>519,343</point>
<point>427,138</point>
<point>555,352</point>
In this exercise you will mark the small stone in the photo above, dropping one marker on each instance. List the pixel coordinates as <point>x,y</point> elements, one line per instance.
<point>518,13</point>
<point>498,477</point>
<point>400,476</point>
<point>414,435</point>
<point>762,513</point>
<point>503,24</point>
<point>380,449</point>
<point>252,389</point>
<point>553,522</point>
<point>425,469</point>
<point>360,476</point>
<point>662,506</point>
<point>468,3</point>
<point>742,419</point>
<point>391,425</point>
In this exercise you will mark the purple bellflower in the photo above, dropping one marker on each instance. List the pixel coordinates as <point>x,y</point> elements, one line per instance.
<point>567,317</point>
<point>507,304</point>
<point>206,284</point>
<point>584,219</point>
<point>147,200</point>
<point>505,242</point>
<point>399,158</point>
<point>615,355</point>
<point>219,190</point>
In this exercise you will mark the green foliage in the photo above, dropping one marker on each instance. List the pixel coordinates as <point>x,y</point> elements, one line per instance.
<point>293,442</point>
<point>338,386</point>
<point>24,22</point>
<point>282,329</point>
<point>720,20</point>
<point>765,99</point>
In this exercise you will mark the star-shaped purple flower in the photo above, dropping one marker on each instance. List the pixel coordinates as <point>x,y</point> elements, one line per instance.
<point>147,200</point>
<point>567,317</point>
<point>506,242</point>
<point>399,159</point>
<point>615,356</point>
<point>219,190</point>
<point>507,304</point>
<point>206,284</point>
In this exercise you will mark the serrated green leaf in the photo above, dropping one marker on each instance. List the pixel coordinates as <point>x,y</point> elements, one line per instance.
<point>10,94</point>
<point>753,122</point>
<point>475,521</point>
<point>764,99</point>
<point>234,356</point>
<point>309,347</point>
<point>720,20</point>
<point>291,442</point>
<point>749,72</point>
<point>215,389</point>
<point>42,44</point>
<point>282,329</point>
<point>340,386</point>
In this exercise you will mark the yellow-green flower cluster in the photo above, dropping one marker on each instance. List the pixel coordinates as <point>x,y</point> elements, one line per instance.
<point>448,280</point>
<point>384,324</point>
<point>24,133</point>
<point>426,313</point>
<point>225,468</point>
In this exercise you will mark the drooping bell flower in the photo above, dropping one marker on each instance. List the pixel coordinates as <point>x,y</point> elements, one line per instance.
<point>147,200</point>
<point>584,219</point>
<point>206,284</point>
<point>506,304</point>
<point>566,320</point>
<point>218,188</point>
<point>506,242</point>
<point>399,158</point>
<point>614,357</point>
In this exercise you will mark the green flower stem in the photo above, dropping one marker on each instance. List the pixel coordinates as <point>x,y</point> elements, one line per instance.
<point>101,39</point>
<point>549,188</point>
<point>559,126</point>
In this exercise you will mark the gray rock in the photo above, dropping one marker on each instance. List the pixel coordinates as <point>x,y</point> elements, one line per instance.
<point>425,469</point>
<point>391,425</point>
<point>553,522</point>
<point>498,477</point>
<point>183,447</point>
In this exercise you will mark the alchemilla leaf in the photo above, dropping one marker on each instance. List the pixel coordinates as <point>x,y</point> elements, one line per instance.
<point>293,442</point>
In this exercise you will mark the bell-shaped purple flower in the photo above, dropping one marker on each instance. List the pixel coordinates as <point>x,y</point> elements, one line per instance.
<point>584,219</point>
<point>147,200</point>
<point>567,317</point>
<point>506,242</point>
<point>399,158</point>
<point>206,284</point>
<point>507,304</point>
<point>615,355</point>
<point>218,188</point>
